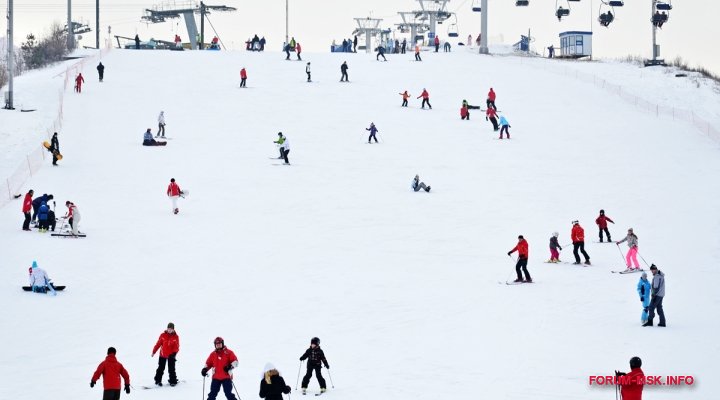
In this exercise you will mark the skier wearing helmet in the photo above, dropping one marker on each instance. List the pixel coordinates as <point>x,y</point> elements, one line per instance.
<point>631,383</point>
<point>222,360</point>
<point>315,357</point>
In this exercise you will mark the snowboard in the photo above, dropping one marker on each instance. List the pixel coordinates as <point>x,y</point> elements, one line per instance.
<point>56,153</point>
<point>69,235</point>
<point>514,283</point>
<point>57,288</point>
<point>184,193</point>
<point>148,387</point>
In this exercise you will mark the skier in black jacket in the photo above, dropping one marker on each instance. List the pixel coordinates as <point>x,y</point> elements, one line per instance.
<point>343,70</point>
<point>272,386</point>
<point>315,357</point>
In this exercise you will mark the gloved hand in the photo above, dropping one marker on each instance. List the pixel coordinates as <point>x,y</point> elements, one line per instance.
<point>642,298</point>
<point>618,373</point>
<point>560,248</point>
<point>509,252</point>
<point>645,309</point>
<point>227,368</point>
<point>327,365</point>
<point>92,384</point>
<point>152,354</point>
<point>127,388</point>
<point>301,358</point>
<point>204,372</point>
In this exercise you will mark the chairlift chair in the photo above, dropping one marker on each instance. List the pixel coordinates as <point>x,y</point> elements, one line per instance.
<point>522,3</point>
<point>453,29</point>
<point>663,6</point>
<point>659,19</point>
<point>476,6</point>
<point>617,3</point>
<point>606,18</point>
<point>560,11</point>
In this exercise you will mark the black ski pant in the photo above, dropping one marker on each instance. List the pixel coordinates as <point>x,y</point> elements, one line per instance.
<point>504,129</point>
<point>372,136</point>
<point>437,48</point>
<point>111,394</point>
<point>55,159</point>
<point>417,57</point>
<point>656,303</point>
<point>404,104</point>
<point>580,246</point>
<point>242,82</point>
<point>426,101</point>
<point>491,103</point>
<point>308,74</point>
<point>344,77</point>
<point>227,388</point>
<point>161,369</point>
<point>288,54</point>
<point>379,55</point>
<point>318,373</point>
<point>26,223</point>
<point>44,224</point>
<point>285,155</point>
<point>101,76</point>
<point>522,264</point>
<point>495,123</point>
<point>607,232</point>
<point>161,129</point>
<point>298,55</point>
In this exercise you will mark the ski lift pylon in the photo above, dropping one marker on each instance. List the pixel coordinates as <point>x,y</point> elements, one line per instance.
<point>476,6</point>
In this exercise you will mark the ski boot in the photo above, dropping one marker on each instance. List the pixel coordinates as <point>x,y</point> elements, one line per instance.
<point>528,280</point>
<point>304,391</point>
<point>518,280</point>
<point>176,211</point>
<point>587,262</point>
<point>323,390</point>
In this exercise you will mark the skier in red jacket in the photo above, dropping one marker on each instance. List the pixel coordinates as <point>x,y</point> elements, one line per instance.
<point>437,43</point>
<point>78,82</point>
<point>243,77</point>
<point>523,252</point>
<point>222,360</point>
<point>631,384</point>
<point>578,240</point>
<point>491,99</point>
<point>111,371</point>
<point>169,345</point>
<point>491,114</point>
<point>426,98</point>
<point>173,191</point>
<point>26,208</point>
<point>601,222</point>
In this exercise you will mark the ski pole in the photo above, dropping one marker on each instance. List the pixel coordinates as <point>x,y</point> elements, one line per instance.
<point>511,274</point>
<point>646,263</point>
<point>236,391</point>
<point>330,376</point>
<point>203,396</point>
<point>298,377</point>
<point>621,253</point>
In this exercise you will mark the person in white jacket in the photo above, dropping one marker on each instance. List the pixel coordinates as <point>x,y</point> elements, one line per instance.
<point>73,217</point>
<point>38,278</point>
<point>285,149</point>
<point>161,124</point>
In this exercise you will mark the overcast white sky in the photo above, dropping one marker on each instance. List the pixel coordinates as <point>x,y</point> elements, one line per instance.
<point>690,32</point>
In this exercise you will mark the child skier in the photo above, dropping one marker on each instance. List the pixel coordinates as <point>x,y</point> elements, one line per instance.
<point>78,82</point>
<point>491,115</point>
<point>373,130</point>
<point>601,222</point>
<point>523,252</point>
<point>169,345</point>
<point>315,357</point>
<point>222,360</point>
<point>405,95</point>
<point>417,185</point>
<point>643,289</point>
<point>554,246</point>
<point>632,242</point>
<point>504,127</point>
<point>43,217</point>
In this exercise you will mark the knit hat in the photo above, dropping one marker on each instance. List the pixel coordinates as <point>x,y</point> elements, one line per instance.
<point>34,264</point>
<point>111,350</point>
<point>171,325</point>
<point>575,222</point>
<point>644,275</point>
<point>268,367</point>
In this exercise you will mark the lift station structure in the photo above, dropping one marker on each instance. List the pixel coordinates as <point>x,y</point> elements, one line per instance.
<point>370,27</point>
<point>162,12</point>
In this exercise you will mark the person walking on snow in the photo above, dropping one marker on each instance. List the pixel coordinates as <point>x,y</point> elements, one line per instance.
<point>405,96</point>
<point>243,77</point>
<point>73,217</point>
<point>307,71</point>
<point>601,222</point>
<point>169,345</point>
<point>174,191</point>
<point>343,70</point>
<point>298,50</point>
<point>554,246</point>
<point>39,279</point>
<point>437,43</point>
<point>373,130</point>
<point>222,360</point>
<point>315,357</point>
<point>26,208</point>
<point>504,127</point>
<point>417,53</point>
<point>101,71</point>
<point>643,289</point>
<point>658,293</point>
<point>284,149</point>
<point>426,98</point>
<point>161,124</point>
<point>111,371</point>
<point>380,53</point>
<point>632,242</point>
<point>417,185</point>
<point>78,82</point>
<point>578,240</point>
<point>523,251</point>
<point>631,386</point>
<point>491,115</point>
<point>491,99</point>
<point>272,386</point>
<point>54,147</point>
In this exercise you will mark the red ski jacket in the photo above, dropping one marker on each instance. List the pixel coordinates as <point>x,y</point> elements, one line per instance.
<point>491,95</point>
<point>602,221</point>
<point>632,387</point>
<point>168,343</point>
<point>463,112</point>
<point>298,49</point>
<point>79,79</point>
<point>577,234</point>
<point>27,203</point>
<point>437,40</point>
<point>522,248</point>
<point>219,360</point>
<point>243,74</point>
<point>424,95</point>
<point>173,189</point>
<point>111,370</point>
<point>491,112</point>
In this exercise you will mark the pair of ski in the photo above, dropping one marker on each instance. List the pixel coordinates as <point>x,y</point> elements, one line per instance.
<point>516,283</point>
<point>628,271</point>
<point>316,394</point>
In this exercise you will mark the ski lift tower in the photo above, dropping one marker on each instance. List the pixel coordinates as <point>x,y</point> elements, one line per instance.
<point>161,12</point>
<point>370,27</point>
<point>436,11</point>
<point>410,22</point>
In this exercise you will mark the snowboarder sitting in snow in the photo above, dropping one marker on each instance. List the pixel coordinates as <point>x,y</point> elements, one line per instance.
<point>417,185</point>
<point>554,246</point>
<point>38,278</point>
<point>149,141</point>
<point>315,357</point>
<point>643,289</point>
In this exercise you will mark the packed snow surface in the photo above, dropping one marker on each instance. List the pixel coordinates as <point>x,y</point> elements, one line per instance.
<point>406,290</point>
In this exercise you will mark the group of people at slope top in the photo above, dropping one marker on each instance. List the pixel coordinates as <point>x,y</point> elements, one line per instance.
<point>222,361</point>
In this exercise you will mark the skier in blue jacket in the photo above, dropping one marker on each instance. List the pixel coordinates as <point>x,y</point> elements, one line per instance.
<point>643,289</point>
<point>373,130</point>
<point>43,218</point>
<point>504,127</point>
